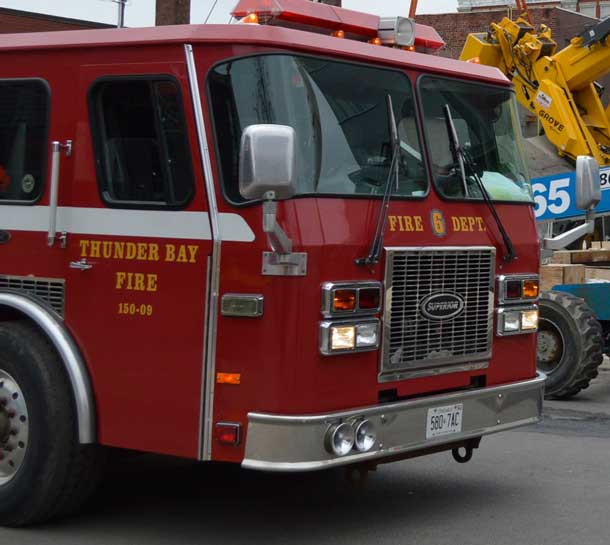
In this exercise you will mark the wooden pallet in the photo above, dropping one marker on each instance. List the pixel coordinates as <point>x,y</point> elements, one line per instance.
<point>577,266</point>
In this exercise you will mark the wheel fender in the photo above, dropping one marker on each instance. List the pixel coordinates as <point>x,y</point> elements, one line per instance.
<point>52,325</point>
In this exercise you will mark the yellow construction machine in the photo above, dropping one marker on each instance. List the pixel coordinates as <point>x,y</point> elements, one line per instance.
<point>558,87</point>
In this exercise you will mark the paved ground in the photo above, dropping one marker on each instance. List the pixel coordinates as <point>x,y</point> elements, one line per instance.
<point>549,484</point>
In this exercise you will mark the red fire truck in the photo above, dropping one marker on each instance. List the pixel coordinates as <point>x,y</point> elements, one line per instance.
<point>291,243</point>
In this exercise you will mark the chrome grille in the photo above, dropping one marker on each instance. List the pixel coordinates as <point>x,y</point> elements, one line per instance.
<point>50,290</point>
<point>415,345</point>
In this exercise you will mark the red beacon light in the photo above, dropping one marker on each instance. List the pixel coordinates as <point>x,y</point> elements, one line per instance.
<point>398,32</point>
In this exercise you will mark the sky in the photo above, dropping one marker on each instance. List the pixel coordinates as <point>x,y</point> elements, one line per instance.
<point>142,12</point>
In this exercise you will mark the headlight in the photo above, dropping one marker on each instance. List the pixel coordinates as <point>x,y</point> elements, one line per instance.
<point>366,436</point>
<point>340,439</point>
<point>515,320</point>
<point>340,337</point>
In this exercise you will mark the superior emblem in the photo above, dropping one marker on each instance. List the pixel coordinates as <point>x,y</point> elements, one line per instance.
<point>442,306</point>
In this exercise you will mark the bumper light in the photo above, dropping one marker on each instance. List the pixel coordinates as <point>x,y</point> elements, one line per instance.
<point>340,439</point>
<point>366,436</point>
<point>513,321</point>
<point>347,337</point>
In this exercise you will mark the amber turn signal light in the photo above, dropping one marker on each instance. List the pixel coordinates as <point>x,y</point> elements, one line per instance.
<point>344,300</point>
<point>228,378</point>
<point>530,289</point>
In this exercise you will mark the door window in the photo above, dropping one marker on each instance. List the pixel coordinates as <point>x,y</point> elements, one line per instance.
<point>24,109</point>
<point>140,141</point>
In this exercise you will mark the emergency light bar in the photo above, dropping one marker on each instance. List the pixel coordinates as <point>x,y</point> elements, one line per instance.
<point>340,22</point>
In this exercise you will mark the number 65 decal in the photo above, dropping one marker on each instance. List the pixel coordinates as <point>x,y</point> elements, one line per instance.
<point>558,199</point>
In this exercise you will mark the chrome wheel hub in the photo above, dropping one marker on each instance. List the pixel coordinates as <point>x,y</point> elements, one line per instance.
<point>14,427</point>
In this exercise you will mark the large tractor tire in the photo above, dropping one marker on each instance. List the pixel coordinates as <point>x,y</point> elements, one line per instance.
<point>570,344</point>
<point>44,471</point>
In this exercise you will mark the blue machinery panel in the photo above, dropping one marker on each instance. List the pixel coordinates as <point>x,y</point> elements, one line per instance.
<point>554,196</point>
<point>597,296</point>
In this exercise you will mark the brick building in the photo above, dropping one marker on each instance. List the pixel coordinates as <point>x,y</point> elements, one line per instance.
<point>12,21</point>
<point>591,8</point>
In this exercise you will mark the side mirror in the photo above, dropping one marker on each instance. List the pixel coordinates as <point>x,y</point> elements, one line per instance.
<point>588,188</point>
<point>267,162</point>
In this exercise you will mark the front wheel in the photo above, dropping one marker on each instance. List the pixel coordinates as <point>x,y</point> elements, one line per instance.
<point>570,344</point>
<point>44,471</point>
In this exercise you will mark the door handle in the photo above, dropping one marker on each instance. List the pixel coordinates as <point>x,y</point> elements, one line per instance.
<point>81,265</point>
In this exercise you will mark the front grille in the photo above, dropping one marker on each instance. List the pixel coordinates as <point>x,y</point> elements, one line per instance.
<point>50,290</point>
<point>415,344</point>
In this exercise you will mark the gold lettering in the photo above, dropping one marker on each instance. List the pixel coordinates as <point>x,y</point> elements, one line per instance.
<point>120,280</point>
<point>151,284</point>
<point>138,284</point>
<point>392,223</point>
<point>456,223</point>
<point>153,252</point>
<point>408,223</point>
<point>170,252</point>
<point>419,224</point>
<point>95,248</point>
<point>119,250</point>
<point>131,250</point>
<point>463,223</point>
<point>193,253</point>
<point>84,245</point>
<point>107,249</point>
<point>480,223</point>
<point>141,255</point>
<point>471,223</point>
<point>182,254</point>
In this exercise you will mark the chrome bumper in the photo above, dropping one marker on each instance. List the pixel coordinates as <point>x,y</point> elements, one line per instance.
<point>296,443</point>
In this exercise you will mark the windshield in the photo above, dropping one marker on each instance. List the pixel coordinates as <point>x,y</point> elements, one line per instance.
<point>339,113</point>
<point>487,128</point>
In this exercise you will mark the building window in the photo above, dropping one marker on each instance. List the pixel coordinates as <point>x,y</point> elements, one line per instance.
<point>24,108</point>
<point>140,140</point>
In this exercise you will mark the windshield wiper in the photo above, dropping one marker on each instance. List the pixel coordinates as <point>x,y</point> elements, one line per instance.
<point>463,158</point>
<point>376,246</point>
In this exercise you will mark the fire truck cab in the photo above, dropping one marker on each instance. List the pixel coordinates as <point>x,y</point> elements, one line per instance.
<point>290,243</point>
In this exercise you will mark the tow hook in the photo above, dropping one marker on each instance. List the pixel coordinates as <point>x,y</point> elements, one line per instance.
<point>463,453</point>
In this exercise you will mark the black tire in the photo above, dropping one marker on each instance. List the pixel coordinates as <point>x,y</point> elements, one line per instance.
<point>570,344</point>
<point>55,474</point>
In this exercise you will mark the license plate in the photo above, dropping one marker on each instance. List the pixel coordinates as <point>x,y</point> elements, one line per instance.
<point>444,420</point>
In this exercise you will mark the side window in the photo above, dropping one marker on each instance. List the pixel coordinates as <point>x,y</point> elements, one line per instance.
<point>140,140</point>
<point>24,108</point>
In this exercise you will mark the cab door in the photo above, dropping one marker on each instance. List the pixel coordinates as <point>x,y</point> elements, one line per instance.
<point>138,237</point>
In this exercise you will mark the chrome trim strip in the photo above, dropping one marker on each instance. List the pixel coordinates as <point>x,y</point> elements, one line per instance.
<point>296,443</point>
<point>435,371</point>
<point>52,325</point>
<point>205,448</point>
<point>53,192</point>
<point>503,278</point>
